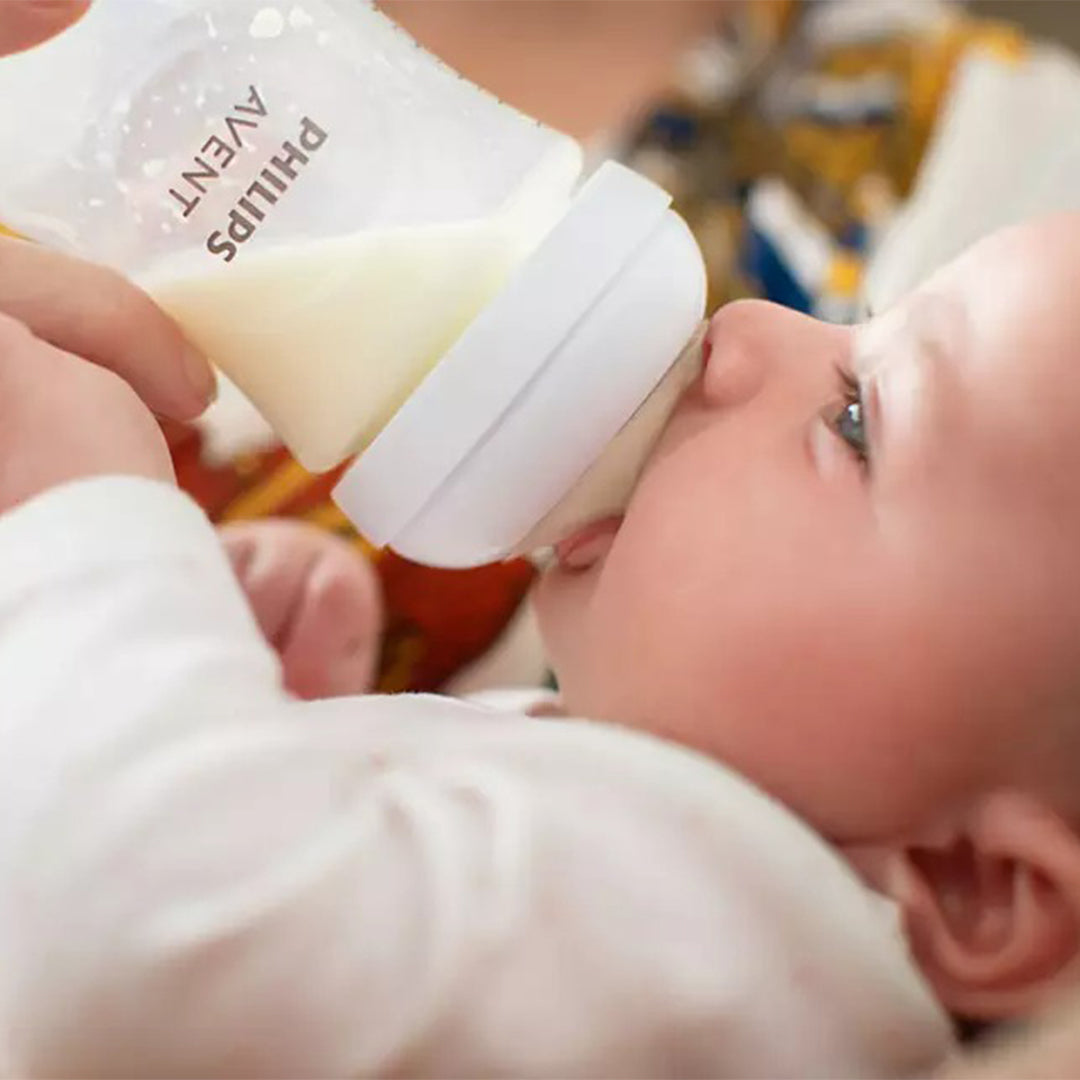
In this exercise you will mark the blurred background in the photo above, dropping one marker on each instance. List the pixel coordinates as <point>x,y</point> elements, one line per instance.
<point>1057,19</point>
<point>610,54</point>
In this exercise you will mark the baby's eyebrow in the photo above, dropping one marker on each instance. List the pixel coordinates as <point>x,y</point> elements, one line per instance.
<point>932,320</point>
<point>874,341</point>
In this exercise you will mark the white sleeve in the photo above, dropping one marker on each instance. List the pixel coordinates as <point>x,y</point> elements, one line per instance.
<point>200,877</point>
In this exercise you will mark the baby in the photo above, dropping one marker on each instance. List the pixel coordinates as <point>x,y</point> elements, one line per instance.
<point>850,573</point>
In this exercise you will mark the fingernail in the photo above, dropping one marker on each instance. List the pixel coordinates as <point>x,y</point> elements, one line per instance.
<point>200,375</point>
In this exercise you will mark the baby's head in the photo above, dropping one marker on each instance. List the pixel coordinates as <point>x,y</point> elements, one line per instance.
<point>852,571</point>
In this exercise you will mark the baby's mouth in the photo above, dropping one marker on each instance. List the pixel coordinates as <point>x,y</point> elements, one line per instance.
<point>585,548</point>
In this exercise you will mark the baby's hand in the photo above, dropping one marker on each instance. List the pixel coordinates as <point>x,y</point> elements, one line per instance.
<point>316,600</point>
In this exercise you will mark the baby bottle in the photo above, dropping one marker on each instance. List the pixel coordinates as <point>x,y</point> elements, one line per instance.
<point>390,263</point>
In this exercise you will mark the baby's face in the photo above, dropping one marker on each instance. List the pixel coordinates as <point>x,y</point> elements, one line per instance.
<point>870,609</point>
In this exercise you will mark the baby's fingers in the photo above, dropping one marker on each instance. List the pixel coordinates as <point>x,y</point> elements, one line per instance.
<point>332,645</point>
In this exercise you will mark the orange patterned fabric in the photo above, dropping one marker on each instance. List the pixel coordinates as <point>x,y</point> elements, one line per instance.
<point>438,621</point>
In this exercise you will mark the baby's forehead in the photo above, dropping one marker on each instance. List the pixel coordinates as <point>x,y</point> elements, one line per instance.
<point>982,364</point>
<point>1025,275</point>
<point>1051,240</point>
<point>1003,314</point>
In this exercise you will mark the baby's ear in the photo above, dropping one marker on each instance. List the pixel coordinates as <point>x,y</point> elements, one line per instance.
<point>991,904</point>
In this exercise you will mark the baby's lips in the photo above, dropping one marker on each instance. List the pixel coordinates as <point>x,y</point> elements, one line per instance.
<point>585,548</point>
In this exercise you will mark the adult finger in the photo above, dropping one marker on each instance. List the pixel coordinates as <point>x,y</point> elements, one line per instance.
<point>95,313</point>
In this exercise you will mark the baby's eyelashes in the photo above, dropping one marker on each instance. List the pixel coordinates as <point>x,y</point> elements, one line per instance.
<point>848,419</point>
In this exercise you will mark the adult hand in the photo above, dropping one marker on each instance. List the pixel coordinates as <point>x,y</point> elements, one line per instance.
<point>64,418</point>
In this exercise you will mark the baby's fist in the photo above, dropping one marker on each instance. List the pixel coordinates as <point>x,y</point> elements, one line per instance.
<point>316,600</point>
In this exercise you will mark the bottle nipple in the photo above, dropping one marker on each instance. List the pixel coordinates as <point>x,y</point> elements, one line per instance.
<point>604,490</point>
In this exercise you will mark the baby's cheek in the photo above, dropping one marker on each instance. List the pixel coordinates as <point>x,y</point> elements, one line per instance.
<point>617,643</point>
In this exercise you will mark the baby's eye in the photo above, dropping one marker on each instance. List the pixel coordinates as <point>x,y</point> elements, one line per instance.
<point>848,420</point>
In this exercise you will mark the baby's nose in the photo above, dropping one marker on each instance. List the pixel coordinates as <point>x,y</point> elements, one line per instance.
<point>755,346</point>
<point>738,352</point>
